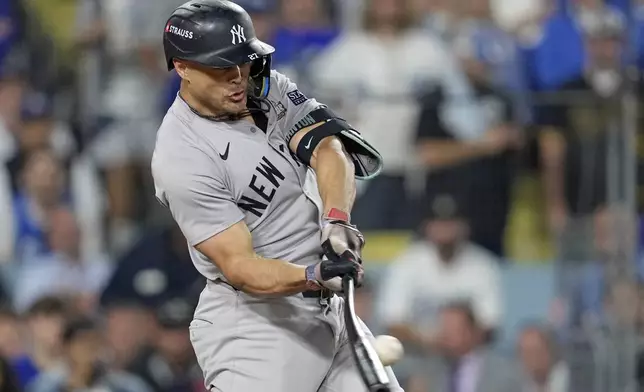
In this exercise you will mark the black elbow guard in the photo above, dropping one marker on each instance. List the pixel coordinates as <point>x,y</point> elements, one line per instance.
<point>366,159</point>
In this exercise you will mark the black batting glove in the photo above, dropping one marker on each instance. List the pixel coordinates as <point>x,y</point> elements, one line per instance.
<point>329,273</point>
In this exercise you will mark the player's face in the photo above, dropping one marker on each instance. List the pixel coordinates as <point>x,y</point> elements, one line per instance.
<point>221,90</point>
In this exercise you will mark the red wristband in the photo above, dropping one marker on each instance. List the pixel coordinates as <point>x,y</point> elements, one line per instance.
<point>336,214</point>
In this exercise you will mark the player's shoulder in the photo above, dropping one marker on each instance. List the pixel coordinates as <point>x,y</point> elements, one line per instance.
<point>285,90</point>
<point>279,83</point>
<point>175,128</point>
<point>180,147</point>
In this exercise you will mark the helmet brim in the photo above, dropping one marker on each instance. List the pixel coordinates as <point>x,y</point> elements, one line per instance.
<point>250,50</point>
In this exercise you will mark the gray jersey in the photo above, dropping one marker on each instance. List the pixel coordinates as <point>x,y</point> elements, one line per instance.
<point>212,175</point>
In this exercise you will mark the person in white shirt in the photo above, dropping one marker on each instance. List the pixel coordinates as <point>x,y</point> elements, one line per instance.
<point>377,75</point>
<point>544,370</point>
<point>439,269</point>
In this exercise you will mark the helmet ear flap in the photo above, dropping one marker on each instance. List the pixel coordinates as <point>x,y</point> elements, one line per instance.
<point>260,74</point>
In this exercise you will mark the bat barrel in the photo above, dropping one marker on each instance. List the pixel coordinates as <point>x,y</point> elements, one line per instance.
<point>367,361</point>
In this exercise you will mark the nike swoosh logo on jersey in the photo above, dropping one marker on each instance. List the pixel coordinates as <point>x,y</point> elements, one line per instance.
<point>225,154</point>
<point>308,145</point>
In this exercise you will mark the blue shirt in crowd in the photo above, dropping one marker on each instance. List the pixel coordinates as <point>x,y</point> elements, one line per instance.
<point>559,56</point>
<point>9,29</point>
<point>31,241</point>
<point>589,295</point>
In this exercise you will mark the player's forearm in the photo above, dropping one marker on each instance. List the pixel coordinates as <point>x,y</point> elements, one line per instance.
<point>335,175</point>
<point>268,277</point>
<point>439,154</point>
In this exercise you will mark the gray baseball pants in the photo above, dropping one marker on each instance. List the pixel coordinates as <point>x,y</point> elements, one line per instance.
<point>288,344</point>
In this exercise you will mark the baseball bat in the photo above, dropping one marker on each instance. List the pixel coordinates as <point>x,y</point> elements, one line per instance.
<point>371,369</point>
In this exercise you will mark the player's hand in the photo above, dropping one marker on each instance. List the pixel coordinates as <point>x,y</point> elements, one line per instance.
<point>329,273</point>
<point>341,240</point>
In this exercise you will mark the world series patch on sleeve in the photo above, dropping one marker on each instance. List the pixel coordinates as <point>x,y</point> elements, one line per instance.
<point>297,97</point>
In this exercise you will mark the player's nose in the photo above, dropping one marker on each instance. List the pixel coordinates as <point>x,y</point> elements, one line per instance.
<point>236,74</point>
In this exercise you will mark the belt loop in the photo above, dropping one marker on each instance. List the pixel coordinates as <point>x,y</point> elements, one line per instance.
<point>325,296</point>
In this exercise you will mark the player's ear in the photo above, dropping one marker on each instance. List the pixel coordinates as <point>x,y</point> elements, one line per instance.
<point>182,69</point>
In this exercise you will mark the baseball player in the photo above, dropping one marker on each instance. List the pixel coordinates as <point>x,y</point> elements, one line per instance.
<point>260,179</point>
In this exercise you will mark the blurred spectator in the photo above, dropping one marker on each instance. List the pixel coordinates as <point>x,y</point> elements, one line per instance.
<point>481,169</point>
<point>170,365</point>
<point>8,382</point>
<point>560,53</point>
<point>578,131</point>
<point>544,369</point>
<point>130,329</point>
<point>636,13</point>
<point>11,28</point>
<point>514,15</point>
<point>58,21</point>
<point>39,128</point>
<point>385,68</point>
<point>264,14</point>
<point>621,305</point>
<point>41,190</point>
<point>416,383</point>
<point>82,368</point>
<point>619,337</point>
<point>468,364</point>
<point>10,338</point>
<point>45,321</point>
<point>76,179</point>
<point>13,81</point>
<point>132,87</point>
<point>479,39</point>
<point>4,297</point>
<point>63,273</point>
<point>438,269</point>
<point>441,17</point>
<point>365,304</point>
<point>156,269</point>
<point>12,86</point>
<point>305,30</point>
<point>589,292</point>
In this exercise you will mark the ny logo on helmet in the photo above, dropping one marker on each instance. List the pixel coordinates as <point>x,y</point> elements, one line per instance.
<point>238,34</point>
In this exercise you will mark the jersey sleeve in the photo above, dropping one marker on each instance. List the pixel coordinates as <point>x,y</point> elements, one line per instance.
<point>297,104</point>
<point>196,192</point>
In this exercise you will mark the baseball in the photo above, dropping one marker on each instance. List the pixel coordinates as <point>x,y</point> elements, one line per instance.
<point>389,349</point>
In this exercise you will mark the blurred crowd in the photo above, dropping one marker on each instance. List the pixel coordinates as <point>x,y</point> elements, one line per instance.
<point>510,131</point>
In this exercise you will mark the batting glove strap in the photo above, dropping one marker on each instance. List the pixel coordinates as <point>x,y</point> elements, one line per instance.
<point>335,214</point>
<point>311,275</point>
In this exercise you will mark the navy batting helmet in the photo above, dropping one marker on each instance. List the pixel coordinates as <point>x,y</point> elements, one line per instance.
<point>218,34</point>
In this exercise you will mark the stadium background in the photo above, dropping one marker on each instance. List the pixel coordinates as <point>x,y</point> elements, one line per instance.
<point>514,121</point>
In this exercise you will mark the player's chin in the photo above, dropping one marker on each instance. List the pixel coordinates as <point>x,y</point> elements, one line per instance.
<point>236,105</point>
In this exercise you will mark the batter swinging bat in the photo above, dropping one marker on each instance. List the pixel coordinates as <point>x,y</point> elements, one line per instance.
<point>371,369</point>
